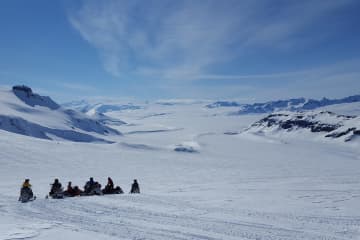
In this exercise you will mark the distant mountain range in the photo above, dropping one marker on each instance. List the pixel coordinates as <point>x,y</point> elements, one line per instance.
<point>27,113</point>
<point>296,104</point>
<point>219,104</point>
<point>179,102</point>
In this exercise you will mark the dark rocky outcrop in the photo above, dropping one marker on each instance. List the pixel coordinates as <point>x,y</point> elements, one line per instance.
<point>26,95</point>
<point>336,126</point>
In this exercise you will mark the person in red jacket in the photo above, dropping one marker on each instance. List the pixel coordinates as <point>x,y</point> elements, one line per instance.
<point>109,188</point>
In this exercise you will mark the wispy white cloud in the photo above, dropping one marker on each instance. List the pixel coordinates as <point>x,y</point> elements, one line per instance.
<point>175,40</point>
<point>332,80</point>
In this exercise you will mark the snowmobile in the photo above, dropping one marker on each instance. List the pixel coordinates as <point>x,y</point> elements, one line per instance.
<point>94,190</point>
<point>73,193</point>
<point>57,194</point>
<point>26,195</point>
<point>116,190</point>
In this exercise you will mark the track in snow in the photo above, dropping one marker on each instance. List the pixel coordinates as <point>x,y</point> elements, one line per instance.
<point>152,217</point>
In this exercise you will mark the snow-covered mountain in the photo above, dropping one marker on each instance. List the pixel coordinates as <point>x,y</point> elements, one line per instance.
<point>98,110</point>
<point>219,104</point>
<point>296,104</point>
<point>324,123</point>
<point>98,107</point>
<point>30,114</point>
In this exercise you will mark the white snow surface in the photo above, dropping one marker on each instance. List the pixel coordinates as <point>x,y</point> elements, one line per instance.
<point>235,187</point>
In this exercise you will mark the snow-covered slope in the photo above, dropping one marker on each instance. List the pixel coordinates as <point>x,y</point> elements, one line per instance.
<point>26,113</point>
<point>196,182</point>
<point>324,123</point>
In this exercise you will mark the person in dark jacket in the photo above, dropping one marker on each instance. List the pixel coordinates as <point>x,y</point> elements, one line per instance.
<point>89,185</point>
<point>26,194</point>
<point>56,187</point>
<point>77,191</point>
<point>92,188</point>
<point>110,183</point>
<point>135,187</point>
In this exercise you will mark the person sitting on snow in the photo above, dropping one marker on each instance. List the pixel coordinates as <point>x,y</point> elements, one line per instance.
<point>55,187</point>
<point>135,187</point>
<point>109,188</point>
<point>26,193</point>
<point>89,185</point>
<point>69,188</point>
<point>110,184</point>
<point>69,191</point>
<point>92,188</point>
<point>77,191</point>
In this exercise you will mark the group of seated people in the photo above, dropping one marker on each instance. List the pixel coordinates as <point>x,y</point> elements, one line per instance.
<point>91,188</point>
<point>57,191</point>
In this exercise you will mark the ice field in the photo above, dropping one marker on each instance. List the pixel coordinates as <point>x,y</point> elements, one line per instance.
<point>228,186</point>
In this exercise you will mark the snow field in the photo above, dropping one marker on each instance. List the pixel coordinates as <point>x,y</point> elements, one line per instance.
<point>235,186</point>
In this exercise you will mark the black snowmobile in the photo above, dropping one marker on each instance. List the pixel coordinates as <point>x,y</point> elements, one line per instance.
<point>92,189</point>
<point>116,190</point>
<point>57,193</point>
<point>26,195</point>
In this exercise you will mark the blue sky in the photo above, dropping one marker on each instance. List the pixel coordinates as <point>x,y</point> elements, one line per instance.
<point>246,50</point>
